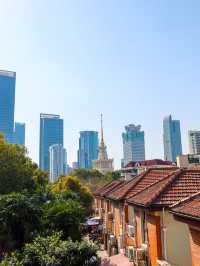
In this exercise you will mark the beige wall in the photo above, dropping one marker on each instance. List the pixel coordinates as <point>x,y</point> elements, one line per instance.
<point>178,242</point>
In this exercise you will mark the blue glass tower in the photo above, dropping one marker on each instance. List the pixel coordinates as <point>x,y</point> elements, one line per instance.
<point>7,104</point>
<point>20,133</point>
<point>171,138</point>
<point>88,148</point>
<point>133,144</point>
<point>51,132</point>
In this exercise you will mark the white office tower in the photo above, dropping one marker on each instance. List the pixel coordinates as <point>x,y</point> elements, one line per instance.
<point>194,142</point>
<point>58,162</point>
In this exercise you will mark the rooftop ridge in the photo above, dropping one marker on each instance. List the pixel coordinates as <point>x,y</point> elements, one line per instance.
<point>185,200</point>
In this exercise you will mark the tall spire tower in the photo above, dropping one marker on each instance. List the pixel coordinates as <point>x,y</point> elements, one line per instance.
<point>103,164</point>
<point>102,140</point>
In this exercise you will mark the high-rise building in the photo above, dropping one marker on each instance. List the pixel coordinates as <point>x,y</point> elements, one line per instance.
<point>51,132</point>
<point>7,104</point>
<point>58,162</point>
<point>74,165</point>
<point>103,164</point>
<point>171,138</point>
<point>133,144</point>
<point>19,133</point>
<point>88,148</point>
<point>194,141</point>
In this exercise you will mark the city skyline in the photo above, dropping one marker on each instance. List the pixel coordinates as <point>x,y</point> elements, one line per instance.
<point>18,132</point>
<point>133,62</point>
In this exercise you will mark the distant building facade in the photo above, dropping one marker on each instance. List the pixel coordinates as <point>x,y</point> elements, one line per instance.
<point>188,160</point>
<point>88,148</point>
<point>57,162</point>
<point>194,141</point>
<point>103,164</point>
<point>135,168</point>
<point>133,144</point>
<point>7,104</point>
<point>51,132</point>
<point>171,138</point>
<point>19,133</point>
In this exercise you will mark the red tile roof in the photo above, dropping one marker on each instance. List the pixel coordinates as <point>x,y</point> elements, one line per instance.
<point>108,188</point>
<point>189,207</point>
<point>141,182</point>
<point>169,190</point>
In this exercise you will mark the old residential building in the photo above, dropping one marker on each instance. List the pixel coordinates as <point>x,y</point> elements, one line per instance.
<point>140,222</point>
<point>187,211</point>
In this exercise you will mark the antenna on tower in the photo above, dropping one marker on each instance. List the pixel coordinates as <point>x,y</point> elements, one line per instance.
<point>102,139</point>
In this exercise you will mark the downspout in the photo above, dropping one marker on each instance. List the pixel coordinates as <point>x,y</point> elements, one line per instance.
<point>164,230</point>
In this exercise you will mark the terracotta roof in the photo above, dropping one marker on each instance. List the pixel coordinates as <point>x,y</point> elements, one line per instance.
<point>121,191</point>
<point>189,207</point>
<point>108,188</point>
<point>148,163</point>
<point>170,190</point>
<point>141,182</point>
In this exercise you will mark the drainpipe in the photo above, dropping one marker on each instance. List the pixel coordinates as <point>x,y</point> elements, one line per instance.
<point>164,229</point>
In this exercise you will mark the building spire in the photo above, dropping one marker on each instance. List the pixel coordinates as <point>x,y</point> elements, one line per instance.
<point>102,138</point>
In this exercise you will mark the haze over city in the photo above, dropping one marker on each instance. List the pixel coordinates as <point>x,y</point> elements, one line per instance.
<point>135,62</point>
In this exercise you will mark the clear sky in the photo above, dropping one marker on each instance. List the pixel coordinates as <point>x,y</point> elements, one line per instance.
<point>134,61</point>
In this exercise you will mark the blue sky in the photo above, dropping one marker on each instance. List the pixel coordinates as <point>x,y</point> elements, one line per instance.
<point>134,61</point>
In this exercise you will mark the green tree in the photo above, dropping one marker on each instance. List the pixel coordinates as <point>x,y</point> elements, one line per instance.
<point>64,216</point>
<point>113,175</point>
<point>52,251</point>
<point>86,174</point>
<point>17,171</point>
<point>69,184</point>
<point>19,220</point>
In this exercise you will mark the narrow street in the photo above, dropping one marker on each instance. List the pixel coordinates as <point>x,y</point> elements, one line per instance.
<point>117,260</point>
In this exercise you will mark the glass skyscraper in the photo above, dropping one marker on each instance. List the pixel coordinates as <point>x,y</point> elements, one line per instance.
<point>51,132</point>
<point>58,162</point>
<point>133,144</point>
<point>7,104</point>
<point>171,138</point>
<point>20,133</point>
<point>88,148</point>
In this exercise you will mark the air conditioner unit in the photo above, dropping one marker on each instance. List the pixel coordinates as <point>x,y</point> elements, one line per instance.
<point>131,230</point>
<point>162,263</point>
<point>131,253</point>
<point>140,254</point>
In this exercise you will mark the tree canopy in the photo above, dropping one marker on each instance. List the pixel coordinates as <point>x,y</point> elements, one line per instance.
<point>17,171</point>
<point>52,251</point>
<point>19,219</point>
<point>65,216</point>
<point>71,184</point>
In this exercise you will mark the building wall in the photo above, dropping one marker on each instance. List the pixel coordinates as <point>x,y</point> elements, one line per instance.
<point>178,242</point>
<point>195,246</point>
